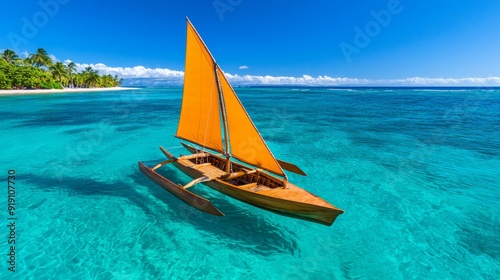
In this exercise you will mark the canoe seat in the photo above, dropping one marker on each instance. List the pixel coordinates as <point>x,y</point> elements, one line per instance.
<point>202,164</point>
<point>248,186</point>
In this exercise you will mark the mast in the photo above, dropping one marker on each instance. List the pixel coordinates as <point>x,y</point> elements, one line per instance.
<point>224,119</point>
<point>221,100</point>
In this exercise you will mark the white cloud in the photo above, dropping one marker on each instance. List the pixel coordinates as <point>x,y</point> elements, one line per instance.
<point>53,57</point>
<point>133,72</point>
<point>157,76</point>
<point>243,67</point>
<point>307,80</point>
<point>288,80</point>
<point>24,54</point>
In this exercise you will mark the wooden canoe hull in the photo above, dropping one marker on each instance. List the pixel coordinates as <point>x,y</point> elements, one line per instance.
<point>285,207</point>
<point>323,214</point>
<point>190,198</point>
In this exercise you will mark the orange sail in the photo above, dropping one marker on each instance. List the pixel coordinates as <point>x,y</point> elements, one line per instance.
<point>200,114</point>
<point>246,142</point>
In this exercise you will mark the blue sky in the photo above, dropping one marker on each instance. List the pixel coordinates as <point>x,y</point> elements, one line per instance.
<point>336,39</point>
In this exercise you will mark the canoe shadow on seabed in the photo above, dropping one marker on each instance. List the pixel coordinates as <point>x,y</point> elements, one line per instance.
<point>244,227</point>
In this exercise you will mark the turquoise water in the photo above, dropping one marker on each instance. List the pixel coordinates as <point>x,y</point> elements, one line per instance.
<point>417,172</point>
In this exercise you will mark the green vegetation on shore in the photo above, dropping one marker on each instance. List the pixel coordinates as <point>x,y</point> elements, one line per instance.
<point>38,71</point>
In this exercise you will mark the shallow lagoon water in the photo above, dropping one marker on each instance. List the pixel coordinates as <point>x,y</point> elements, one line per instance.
<point>417,172</point>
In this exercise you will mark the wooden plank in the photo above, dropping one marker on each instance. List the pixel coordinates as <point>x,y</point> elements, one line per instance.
<point>197,181</point>
<point>210,170</point>
<point>198,155</point>
<point>163,163</point>
<point>238,174</point>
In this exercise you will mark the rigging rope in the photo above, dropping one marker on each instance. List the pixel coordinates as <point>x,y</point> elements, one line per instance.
<point>171,143</point>
<point>208,119</point>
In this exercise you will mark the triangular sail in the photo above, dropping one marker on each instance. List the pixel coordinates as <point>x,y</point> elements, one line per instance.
<point>246,143</point>
<point>200,117</point>
<point>200,120</point>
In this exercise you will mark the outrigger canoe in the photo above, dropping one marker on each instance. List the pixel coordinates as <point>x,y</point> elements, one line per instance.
<point>231,157</point>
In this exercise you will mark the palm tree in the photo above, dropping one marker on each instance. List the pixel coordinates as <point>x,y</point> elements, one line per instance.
<point>109,81</point>
<point>41,58</point>
<point>118,81</point>
<point>28,61</point>
<point>59,70</point>
<point>10,56</point>
<point>94,79</point>
<point>77,80</point>
<point>71,70</point>
<point>85,76</point>
<point>90,77</point>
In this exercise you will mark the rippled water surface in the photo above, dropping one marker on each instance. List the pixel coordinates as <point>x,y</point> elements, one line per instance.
<point>417,172</point>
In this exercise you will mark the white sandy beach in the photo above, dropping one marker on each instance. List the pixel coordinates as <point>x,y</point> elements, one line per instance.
<point>66,90</point>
